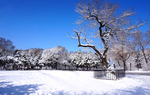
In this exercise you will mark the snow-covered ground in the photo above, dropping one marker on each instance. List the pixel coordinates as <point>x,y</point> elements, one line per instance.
<point>138,72</point>
<point>69,83</point>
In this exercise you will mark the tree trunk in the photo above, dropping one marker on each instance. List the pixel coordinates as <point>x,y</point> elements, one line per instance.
<point>104,62</point>
<point>145,57</point>
<point>56,65</point>
<point>124,65</point>
<point>130,66</point>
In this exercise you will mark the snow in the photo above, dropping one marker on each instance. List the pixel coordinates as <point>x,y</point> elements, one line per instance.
<point>138,72</point>
<point>53,82</point>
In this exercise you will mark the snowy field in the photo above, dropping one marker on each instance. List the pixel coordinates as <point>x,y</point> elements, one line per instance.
<point>54,82</point>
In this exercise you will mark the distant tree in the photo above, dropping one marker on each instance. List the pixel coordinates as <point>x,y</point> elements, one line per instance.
<point>33,56</point>
<point>142,39</point>
<point>28,58</point>
<point>84,60</point>
<point>77,59</point>
<point>54,56</point>
<point>148,54</point>
<point>103,17</point>
<point>6,47</point>
<point>121,53</point>
<point>138,59</point>
<point>20,57</point>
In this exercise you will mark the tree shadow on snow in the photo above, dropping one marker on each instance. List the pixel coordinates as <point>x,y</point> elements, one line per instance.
<point>73,93</point>
<point>7,89</point>
<point>132,91</point>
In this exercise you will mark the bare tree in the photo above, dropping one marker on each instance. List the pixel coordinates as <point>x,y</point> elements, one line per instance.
<point>109,24</point>
<point>148,54</point>
<point>121,53</point>
<point>123,49</point>
<point>6,47</point>
<point>143,42</point>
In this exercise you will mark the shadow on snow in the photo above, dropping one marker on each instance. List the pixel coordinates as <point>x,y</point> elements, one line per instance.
<point>10,89</point>
<point>139,90</point>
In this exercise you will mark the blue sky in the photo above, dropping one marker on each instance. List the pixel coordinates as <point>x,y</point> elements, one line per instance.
<point>46,23</point>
